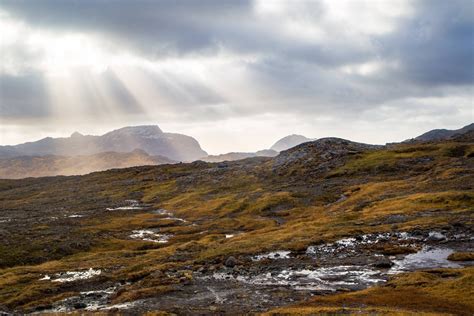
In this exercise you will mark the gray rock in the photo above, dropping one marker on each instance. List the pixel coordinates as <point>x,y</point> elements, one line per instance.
<point>231,262</point>
<point>436,236</point>
<point>383,263</point>
<point>396,218</point>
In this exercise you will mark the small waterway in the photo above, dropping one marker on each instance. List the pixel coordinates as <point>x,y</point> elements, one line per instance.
<point>129,205</point>
<point>150,235</point>
<point>71,276</point>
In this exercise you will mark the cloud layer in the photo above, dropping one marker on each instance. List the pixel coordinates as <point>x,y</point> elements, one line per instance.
<point>186,64</point>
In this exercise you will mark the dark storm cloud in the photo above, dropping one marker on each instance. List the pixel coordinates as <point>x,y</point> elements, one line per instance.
<point>23,96</point>
<point>436,46</point>
<point>158,28</point>
<point>432,50</point>
<point>155,27</point>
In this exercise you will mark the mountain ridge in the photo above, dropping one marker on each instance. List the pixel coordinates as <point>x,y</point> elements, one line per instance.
<point>441,133</point>
<point>149,138</point>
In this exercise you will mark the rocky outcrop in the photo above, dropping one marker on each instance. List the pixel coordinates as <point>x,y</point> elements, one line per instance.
<point>323,152</point>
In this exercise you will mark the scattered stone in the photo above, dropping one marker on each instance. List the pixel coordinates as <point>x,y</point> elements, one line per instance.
<point>80,305</point>
<point>231,262</point>
<point>436,236</point>
<point>383,263</point>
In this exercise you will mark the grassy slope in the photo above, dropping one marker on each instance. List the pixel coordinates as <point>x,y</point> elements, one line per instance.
<point>246,196</point>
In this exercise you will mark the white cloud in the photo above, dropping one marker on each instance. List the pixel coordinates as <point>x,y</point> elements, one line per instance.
<point>235,71</point>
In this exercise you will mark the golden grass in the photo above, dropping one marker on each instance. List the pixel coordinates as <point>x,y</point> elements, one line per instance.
<point>444,291</point>
<point>242,202</point>
<point>461,256</point>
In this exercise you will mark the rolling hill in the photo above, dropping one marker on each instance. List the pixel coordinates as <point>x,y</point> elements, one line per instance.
<point>49,165</point>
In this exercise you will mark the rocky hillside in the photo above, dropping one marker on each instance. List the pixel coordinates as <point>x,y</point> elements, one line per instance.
<point>151,139</point>
<point>322,154</point>
<point>49,165</point>
<point>327,227</point>
<point>440,134</point>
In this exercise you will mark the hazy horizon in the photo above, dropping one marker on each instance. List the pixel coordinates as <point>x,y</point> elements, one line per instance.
<point>236,75</point>
<point>219,148</point>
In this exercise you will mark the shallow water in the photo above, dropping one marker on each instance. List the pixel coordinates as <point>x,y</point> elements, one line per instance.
<point>120,208</point>
<point>162,211</point>
<point>132,205</point>
<point>169,215</point>
<point>349,276</point>
<point>280,254</point>
<point>426,258</point>
<point>318,279</point>
<point>71,276</point>
<point>347,246</point>
<point>150,235</point>
<point>96,300</point>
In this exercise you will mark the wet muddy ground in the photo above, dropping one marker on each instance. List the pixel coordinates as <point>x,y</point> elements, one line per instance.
<point>262,281</point>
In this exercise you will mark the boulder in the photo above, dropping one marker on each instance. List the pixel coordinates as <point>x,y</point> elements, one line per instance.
<point>383,263</point>
<point>231,262</point>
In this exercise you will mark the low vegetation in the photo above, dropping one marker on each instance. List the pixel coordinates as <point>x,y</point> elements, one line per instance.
<point>56,224</point>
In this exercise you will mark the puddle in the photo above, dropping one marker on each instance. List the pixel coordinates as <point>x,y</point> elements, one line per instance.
<point>368,269</point>
<point>218,298</point>
<point>132,205</point>
<point>71,276</point>
<point>436,236</point>
<point>233,234</point>
<point>89,301</point>
<point>319,279</point>
<point>120,208</point>
<point>348,246</point>
<point>162,211</point>
<point>426,258</point>
<point>150,235</point>
<point>280,254</point>
<point>75,215</point>
<point>175,219</point>
<point>169,215</point>
<point>119,306</point>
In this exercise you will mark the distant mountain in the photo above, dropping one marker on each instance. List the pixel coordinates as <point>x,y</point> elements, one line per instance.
<point>40,166</point>
<point>240,155</point>
<point>281,145</point>
<point>151,139</point>
<point>442,134</point>
<point>290,141</point>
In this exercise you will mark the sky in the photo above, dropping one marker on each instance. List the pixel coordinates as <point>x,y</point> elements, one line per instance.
<point>236,75</point>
